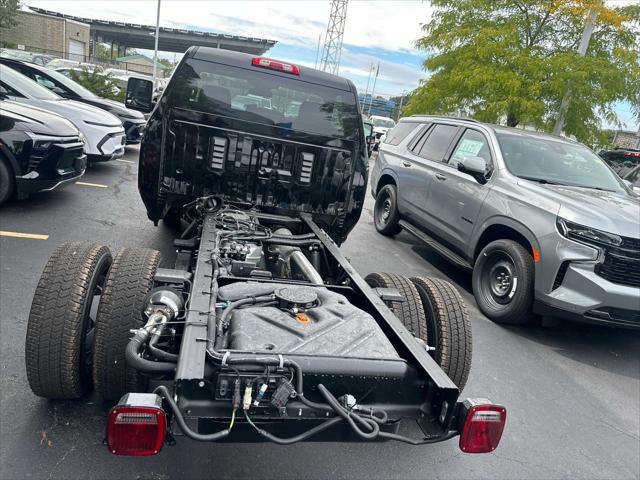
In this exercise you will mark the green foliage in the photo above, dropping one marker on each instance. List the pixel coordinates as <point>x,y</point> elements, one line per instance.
<point>8,9</point>
<point>102,85</point>
<point>515,59</point>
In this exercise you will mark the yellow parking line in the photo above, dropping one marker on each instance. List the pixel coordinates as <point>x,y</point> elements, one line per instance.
<point>35,236</point>
<point>124,161</point>
<point>87,184</point>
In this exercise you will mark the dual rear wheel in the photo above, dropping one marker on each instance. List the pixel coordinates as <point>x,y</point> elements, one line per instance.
<point>83,309</point>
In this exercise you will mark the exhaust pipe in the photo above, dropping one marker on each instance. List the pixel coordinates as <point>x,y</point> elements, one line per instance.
<point>291,254</point>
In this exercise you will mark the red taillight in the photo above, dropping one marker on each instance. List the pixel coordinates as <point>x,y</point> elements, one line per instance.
<point>482,428</point>
<point>135,430</point>
<point>632,154</point>
<point>275,65</point>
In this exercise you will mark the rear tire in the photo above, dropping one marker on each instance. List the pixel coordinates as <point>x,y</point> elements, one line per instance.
<point>447,326</point>
<point>503,282</point>
<point>173,219</point>
<point>7,181</point>
<point>385,211</point>
<point>60,328</point>
<point>121,307</point>
<point>409,312</point>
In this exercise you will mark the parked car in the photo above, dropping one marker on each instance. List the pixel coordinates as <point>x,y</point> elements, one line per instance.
<point>39,150</point>
<point>104,134</point>
<point>132,120</point>
<point>621,160</point>
<point>65,63</point>
<point>37,58</point>
<point>281,339</point>
<point>543,222</point>
<point>380,127</point>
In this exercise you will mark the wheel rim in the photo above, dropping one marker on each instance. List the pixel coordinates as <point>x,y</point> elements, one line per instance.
<point>384,209</point>
<point>89,319</point>
<point>499,279</point>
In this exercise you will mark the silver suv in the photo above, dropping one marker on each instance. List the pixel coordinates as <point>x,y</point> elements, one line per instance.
<point>546,226</point>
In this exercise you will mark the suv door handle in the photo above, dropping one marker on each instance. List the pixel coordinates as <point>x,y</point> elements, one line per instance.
<point>440,176</point>
<point>406,163</point>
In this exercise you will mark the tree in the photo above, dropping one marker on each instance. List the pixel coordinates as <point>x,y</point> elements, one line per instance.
<point>102,85</point>
<point>513,60</point>
<point>8,10</point>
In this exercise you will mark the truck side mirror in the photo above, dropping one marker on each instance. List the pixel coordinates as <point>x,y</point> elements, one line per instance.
<point>139,95</point>
<point>474,166</point>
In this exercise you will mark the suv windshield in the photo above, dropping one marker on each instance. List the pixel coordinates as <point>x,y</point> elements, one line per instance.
<point>549,161</point>
<point>383,122</point>
<point>258,96</point>
<point>24,85</point>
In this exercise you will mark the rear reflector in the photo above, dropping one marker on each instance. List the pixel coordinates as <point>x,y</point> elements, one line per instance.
<point>136,429</point>
<point>483,426</point>
<point>275,65</point>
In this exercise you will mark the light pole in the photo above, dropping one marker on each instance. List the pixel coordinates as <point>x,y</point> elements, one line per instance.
<point>155,50</point>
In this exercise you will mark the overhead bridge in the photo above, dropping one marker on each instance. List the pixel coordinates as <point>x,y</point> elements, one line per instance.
<point>133,35</point>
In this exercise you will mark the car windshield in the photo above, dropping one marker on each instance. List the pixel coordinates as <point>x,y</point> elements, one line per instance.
<point>24,85</point>
<point>70,84</point>
<point>546,160</point>
<point>258,96</point>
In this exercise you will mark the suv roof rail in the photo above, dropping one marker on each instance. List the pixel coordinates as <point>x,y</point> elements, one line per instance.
<point>454,117</point>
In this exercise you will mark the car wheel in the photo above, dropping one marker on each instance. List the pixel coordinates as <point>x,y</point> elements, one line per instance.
<point>61,325</point>
<point>448,329</point>
<point>7,181</point>
<point>120,311</point>
<point>503,282</point>
<point>385,211</point>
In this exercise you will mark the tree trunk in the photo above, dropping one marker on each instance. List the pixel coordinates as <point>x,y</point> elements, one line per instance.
<point>512,120</point>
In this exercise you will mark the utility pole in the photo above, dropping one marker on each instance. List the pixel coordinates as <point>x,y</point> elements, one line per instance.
<point>366,91</point>
<point>333,38</point>
<point>155,50</point>
<point>315,65</point>
<point>400,107</point>
<point>582,50</point>
<point>373,90</point>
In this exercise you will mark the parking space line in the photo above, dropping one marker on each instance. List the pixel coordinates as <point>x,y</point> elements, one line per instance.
<point>125,161</point>
<point>87,184</point>
<point>34,236</point>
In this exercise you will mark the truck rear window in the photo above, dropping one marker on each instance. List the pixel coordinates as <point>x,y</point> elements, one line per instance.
<point>253,95</point>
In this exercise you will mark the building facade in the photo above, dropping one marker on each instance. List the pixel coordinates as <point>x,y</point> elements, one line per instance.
<point>47,34</point>
<point>376,105</point>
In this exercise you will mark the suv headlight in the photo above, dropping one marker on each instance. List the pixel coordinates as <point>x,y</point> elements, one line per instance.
<point>588,235</point>
<point>43,142</point>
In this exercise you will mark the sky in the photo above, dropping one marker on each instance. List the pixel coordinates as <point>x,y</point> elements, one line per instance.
<point>383,31</point>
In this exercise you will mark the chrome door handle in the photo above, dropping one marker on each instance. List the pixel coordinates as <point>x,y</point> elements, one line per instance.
<point>406,164</point>
<point>440,176</point>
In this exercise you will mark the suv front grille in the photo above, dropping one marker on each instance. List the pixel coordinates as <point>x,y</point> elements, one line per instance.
<point>622,264</point>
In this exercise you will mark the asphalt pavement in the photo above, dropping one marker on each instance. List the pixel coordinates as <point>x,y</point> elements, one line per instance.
<point>572,391</point>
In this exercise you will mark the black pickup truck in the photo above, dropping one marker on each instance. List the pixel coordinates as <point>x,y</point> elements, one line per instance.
<point>261,330</point>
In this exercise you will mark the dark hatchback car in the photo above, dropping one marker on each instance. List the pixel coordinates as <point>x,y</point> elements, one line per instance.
<point>132,120</point>
<point>39,150</point>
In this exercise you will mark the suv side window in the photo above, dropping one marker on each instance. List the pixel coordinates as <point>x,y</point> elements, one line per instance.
<point>399,132</point>
<point>437,142</point>
<point>471,144</point>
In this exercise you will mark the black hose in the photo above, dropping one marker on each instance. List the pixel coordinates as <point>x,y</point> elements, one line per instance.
<point>350,416</point>
<point>222,322</point>
<point>298,438</point>
<point>211,437</point>
<point>161,354</point>
<point>132,355</point>
<point>189,229</point>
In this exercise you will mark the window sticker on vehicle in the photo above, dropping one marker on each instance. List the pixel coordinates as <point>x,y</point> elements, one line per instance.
<point>469,147</point>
